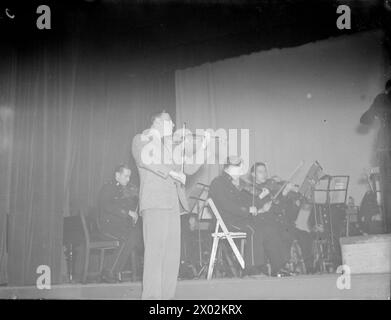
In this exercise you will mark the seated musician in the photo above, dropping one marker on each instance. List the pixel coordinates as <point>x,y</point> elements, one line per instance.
<point>117,205</point>
<point>236,209</point>
<point>284,211</point>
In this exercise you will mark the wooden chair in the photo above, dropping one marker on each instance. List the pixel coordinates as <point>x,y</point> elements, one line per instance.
<point>224,234</point>
<point>73,237</point>
<point>100,243</point>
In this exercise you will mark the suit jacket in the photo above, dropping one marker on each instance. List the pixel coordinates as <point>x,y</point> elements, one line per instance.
<point>154,161</point>
<point>233,204</point>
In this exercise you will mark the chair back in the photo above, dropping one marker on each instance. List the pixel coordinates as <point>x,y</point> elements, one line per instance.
<point>92,220</point>
<point>86,227</point>
<point>219,220</point>
<point>73,231</point>
<point>227,235</point>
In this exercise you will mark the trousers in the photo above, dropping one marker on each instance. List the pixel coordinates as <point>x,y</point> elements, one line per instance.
<point>130,239</point>
<point>274,246</point>
<point>254,254</point>
<point>161,229</point>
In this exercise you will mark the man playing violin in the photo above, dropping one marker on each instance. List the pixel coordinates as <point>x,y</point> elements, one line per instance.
<point>162,200</point>
<point>237,210</point>
<point>285,203</point>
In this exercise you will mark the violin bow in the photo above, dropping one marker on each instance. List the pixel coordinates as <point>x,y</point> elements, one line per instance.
<point>183,148</point>
<point>255,171</point>
<point>290,178</point>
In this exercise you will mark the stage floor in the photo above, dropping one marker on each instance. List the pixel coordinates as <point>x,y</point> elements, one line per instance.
<point>363,286</point>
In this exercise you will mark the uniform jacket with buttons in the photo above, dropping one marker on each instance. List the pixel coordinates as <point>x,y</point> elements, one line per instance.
<point>114,203</point>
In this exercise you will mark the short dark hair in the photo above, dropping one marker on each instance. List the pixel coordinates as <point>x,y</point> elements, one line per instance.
<point>120,168</point>
<point>256,165</point>
<point>388,84</point>
<point>157,115</point>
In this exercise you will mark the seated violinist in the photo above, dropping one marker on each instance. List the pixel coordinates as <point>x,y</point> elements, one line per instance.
<point>283,211</point>
<point>236,208</point>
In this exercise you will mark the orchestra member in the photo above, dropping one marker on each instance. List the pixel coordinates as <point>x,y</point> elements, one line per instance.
<point>284,210</point>
<point>236,209</point>
<point>117,206</point>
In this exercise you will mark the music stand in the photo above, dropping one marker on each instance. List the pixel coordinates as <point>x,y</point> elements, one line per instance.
<point>331,190</point>
<point>204,217</point>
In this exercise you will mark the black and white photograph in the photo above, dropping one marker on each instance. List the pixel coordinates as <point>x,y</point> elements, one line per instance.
<point>213,151</point>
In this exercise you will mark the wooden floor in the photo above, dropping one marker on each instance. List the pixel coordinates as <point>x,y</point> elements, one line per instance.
<point>363,286</point>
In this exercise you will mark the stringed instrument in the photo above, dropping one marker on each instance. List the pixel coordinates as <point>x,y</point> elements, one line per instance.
<point>272,187</point>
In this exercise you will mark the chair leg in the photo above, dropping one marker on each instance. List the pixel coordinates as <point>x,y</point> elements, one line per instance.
<point>212,258</point>
<point>236,252</point>
<point>101,260</point>
<point>301,259</point>
<point>86,262</point>
<point>134,265</point>
<point>269,269</point>
<point>230,263</point>
<point>242,244</point>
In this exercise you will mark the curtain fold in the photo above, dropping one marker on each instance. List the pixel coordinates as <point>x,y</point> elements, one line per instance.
<point>74,118</point>
<point>7,117</point>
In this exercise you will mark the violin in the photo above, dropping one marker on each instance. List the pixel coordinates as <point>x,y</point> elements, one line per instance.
<point>256,189</point>
<point>272,186</point>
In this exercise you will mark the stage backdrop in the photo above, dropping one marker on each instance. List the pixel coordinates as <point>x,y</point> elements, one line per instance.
<point>301,103</point>
<point>67,117</point>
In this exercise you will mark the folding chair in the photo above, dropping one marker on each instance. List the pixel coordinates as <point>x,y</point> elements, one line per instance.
<point>224,234</point>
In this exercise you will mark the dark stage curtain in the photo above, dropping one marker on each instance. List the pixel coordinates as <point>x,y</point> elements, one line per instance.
<point>6,135</point>
<point>74,116</point>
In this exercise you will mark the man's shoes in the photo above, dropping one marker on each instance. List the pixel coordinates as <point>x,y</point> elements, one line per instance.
<point>250,271</point>
<point>256,270</point>
<point>108,277</point>
<point>263,269</point>
<point>282,273</point>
